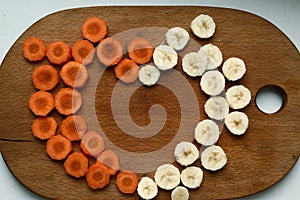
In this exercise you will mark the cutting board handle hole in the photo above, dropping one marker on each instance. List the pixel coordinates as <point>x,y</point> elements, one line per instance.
<point>270,99</point>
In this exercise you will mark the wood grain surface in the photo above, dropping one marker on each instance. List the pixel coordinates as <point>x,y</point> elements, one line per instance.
<point>256,160</point>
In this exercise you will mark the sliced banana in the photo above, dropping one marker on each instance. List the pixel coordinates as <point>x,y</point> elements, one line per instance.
<point>212,82</point>
<point>192,177</point>
<point>214,55</point>
<point>237,122</point>
<point>186,153</point>
<point>207,132</point>
<point>213,158</point>
<point>177,38</point>
<point>194,64</point>
<point>149,75</point>
<point>180,193</point>
<point>234,68</point>
<point>147,188</point>
<point>167,176</point>
<point>165,57</point>
<point>203,26</point>
<point>216,107</point>
<point>238,96</point>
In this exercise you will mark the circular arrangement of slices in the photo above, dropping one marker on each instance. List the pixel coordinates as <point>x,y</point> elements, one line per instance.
<point>222,106</point>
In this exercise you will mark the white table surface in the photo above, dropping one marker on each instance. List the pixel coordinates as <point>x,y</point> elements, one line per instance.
<point>17,15</point>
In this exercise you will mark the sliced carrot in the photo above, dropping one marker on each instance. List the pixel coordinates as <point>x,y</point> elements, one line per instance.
<point>74,74</point>
<point>45,77</point>
<point>109,51</point>
<point>44,127</point>
<point>76,165</point>
<point>97,176</point>
<point>83,51</point>
<point>140,50</point>
<point>94,29</point>
<point>58,53</point>
<point>58,147</point>
<point>92,144</point>
<point>127,182</point>
<point>34,49</point>
<point>68,101</point>
<point>73,127</point>
<point>110,160</point>
<point>41,103</point>
<point>127,71</point>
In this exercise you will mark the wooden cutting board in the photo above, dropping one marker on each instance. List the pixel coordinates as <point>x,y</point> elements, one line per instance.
<point>256,160</point>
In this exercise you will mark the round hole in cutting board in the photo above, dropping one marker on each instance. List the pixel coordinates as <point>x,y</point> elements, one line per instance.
<point>270,99</point>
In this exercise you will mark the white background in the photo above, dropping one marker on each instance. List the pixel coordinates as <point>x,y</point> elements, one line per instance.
<point>17,15</point>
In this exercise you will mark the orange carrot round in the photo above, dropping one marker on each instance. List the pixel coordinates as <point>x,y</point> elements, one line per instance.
<point>73,127</point>
<point>97,176</point>
<point>94,29</point>
<point>127,71</point>
<point>127,182</point>
<point>140,50</point>
<point>74,74</point>
<point>41,103</point>
<point>92,144</point>
<point>83,52</point>
<point>58,53</point>
<point>109,51</point>
<point>76,165</point>
<point>34,49</point>
<point>45,77</point>
<point>43,127</point>
<point>110,160</point>
<point>58,147</point>
<point>68,101</point>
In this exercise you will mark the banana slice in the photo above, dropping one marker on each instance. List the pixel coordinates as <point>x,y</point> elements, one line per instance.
<point>216,107</point>
<point>149,75</point>
<point>194,64</point>
<point>180,193</point>
<point>237,122</point>
<point>177,37</point>
<point>212,82</point>
<point>207,132</point>
<point>203,26</point>
<point>186,153</point>
<point>167,176</point>
<point>191,177</point>
<point>165,57</point>
<point>213,158</point>
<point>147,188</point>
<point>234,69</point>
<point>238,96</point>
<point>213,54</point>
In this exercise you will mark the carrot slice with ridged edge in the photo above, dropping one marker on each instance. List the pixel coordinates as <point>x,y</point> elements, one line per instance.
<point>111,160</point>
<point>44,127</point>
<point>73,127</point>
<point>140,50</point>
<point>68,101</point>
<point>76,165</point>
<point>34,49</point>
<point>92,144</point>
<point>83,52</point>
<point>41,103</point>
<point>97,176</point>
<point>109,51</point>
<point>58,53</point>
<point>58,147</point>
<point>94,29</point>
<point>45,77</point>
<point>74,74</point>
<point>127,71</point>
<point>127,182</point>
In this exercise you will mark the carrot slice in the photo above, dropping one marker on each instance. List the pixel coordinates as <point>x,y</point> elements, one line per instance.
<point>73,127</point>
<point>110,160</point>
<point>83,51</point>
<point>94,29</point>
<point>97,176</point>
<point>92,144</point>
<point>34,49</point>
<point>45,77</point>
<point>68,101</point>
<point>74,74</point>
<point>76,165</point>
<point>58,53</point>
<point>44,127</point>
<point>41,103</point>
<point>140,50</point>
<point>127,182</point>
<point>58,147</point>
<point>127,71</point>
<point>109,51</point>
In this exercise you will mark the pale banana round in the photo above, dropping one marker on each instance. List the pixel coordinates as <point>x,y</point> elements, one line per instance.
<point>194,64</point>
<point>147,188</point>
<point>234,68</point>
<point>213,54</point>
<point>177,37</point>
<point>238,96</point>
<point>216,107</point>
<point>192,177</point>
<point>180,193</point>
<point>213,158</point>
<point>212,82</point>
<point>207,132</point>
<point>203,26</point>
<point>149,75</point>
<point>165,57</point>
<point>237,122</point>
<point>186,153</point>
<point>167,176</point>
